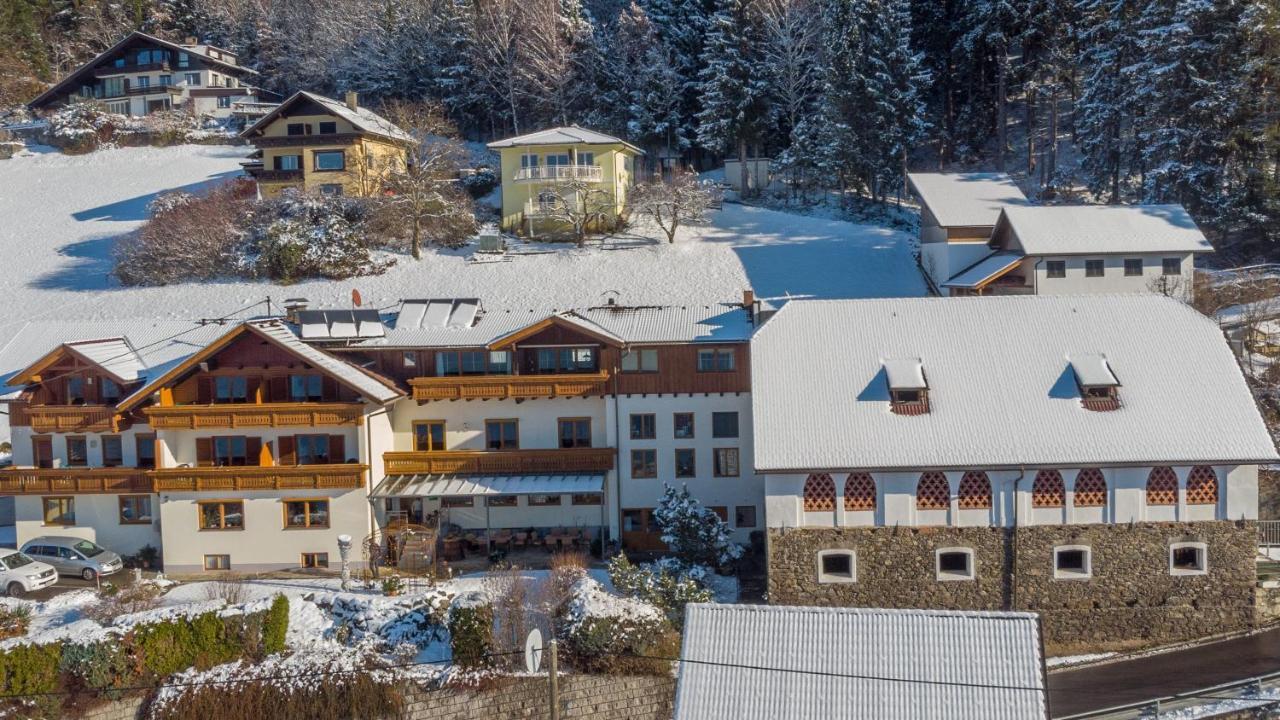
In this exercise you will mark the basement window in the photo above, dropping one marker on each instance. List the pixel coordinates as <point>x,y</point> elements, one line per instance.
<point>1072,562</point>
<point>955,564</point>
<point>837,566</point>
<point>908,388</point>
<point>1188,558</point>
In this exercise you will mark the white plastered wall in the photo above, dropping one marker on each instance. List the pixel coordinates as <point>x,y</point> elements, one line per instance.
<point>97,519</point>
<point>1113,280</point>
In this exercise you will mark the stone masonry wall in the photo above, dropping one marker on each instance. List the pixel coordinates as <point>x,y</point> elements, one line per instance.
<point>1131,599</point>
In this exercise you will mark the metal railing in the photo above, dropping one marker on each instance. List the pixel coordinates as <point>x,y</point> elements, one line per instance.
<point>1269,533</point>
<point>590,173</point>
<point>1244,692</point>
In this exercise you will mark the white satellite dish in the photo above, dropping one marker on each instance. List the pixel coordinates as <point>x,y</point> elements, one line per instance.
<point>533,651</point>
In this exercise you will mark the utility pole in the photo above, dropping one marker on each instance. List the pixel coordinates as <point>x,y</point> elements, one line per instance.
<point>555,682</point>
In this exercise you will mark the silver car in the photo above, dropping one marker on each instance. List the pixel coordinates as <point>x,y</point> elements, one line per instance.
<point>74,556</point>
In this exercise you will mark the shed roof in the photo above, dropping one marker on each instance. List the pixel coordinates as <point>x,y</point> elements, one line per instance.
<point>966,199</point>
<point>564,135</point>
<point>1102,229</point>
<point>1002,391</point>
<point>753,662</point>
<point>985,270</point>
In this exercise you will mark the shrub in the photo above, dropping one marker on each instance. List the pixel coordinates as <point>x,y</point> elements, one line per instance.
<point>104,667</point>
<point>187,237</point>
<point>480,183</point>
<point>667,585</point>
<point>309,236</point>
<point>29,669</point>
<point>202,642</point>
<point>14,620</point>
<point>229,588</point>
<point>471,632</point>
<point>604,633</point>
<point>124,601</point>
<point>275,626</point>
<point>339,697</point>
<point>693,531</point>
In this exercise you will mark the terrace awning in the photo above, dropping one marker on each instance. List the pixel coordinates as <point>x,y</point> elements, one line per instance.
<point>449,485</point>
<point>984,271</point>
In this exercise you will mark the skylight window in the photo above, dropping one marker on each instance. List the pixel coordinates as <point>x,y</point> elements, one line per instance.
<point>1099,387</point>
<point>908,388</point>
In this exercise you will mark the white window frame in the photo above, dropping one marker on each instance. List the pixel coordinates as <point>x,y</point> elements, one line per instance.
<point>1087,573</point>
<point>1203,555</point>
<point>832,579</point>
<point>950,576</point>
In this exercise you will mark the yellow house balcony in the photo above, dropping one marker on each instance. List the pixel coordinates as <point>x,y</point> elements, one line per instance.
<point>491,462</point>
<point>559,173</point>
<point>195,417</point>
<point>67,418</point>
<point>513,387</point>
<point>271,477</point>
<point>73,481</point>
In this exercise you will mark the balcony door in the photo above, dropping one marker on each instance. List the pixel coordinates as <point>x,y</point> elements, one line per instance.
<point>42,451</point>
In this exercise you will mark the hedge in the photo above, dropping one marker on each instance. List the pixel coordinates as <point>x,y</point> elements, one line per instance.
<point>471,634</point>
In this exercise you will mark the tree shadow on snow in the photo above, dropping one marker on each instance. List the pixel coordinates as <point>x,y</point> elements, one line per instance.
<point>135,208</point>
<point>88,266</point>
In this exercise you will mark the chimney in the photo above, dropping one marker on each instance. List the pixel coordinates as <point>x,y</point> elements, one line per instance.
<point>292,306</point>
<point>191,40</point>
<point>351,100</point>
<point>748,298</point>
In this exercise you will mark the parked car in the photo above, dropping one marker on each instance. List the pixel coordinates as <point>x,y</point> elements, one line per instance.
<point>74,556</point>
<point>19,574</point>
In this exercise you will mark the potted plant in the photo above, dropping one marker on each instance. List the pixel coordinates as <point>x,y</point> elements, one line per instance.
<point>392,585</point>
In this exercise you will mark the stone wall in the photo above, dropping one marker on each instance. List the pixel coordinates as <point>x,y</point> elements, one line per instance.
<point>1268,494</point>
<point>1130,601</point>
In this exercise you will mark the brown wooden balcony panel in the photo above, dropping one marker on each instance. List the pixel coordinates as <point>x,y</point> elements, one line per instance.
<point>575,460</point>
<point>502,387</point>
<point>278,477</point>
<point>126,69</point>
<point>276,175</point>
<point>73,481</point>
<point>196,417</point>
<point>67,418</point>
<point>301,140</point>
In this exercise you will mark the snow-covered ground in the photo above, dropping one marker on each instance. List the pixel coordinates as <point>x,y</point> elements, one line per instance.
<point>62,214</point>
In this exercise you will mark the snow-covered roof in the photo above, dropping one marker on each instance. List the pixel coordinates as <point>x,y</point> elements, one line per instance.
<point>449,485</point>
<point>985,270</point>
<point>114,355</point>
<point>1102,229</point>
<point>1092,370</point>
<point>905,373</point>
<point>1002,391</point>
<point>564,135</point>
<point>966,199</point>
<point>362,118</point>
<point>756,662</point>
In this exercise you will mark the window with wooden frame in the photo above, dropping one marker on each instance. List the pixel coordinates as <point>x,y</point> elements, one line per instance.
<point>328,127</point>
<point>228,451</point>
<point>502,434</point>
<point>1048,490</point>
<point>544,501</point>
<point>716,359</point>
<point>77,451</point>
<point>329,160</point>
<point>686,463</point>
<point>306,513</point>
<point>501,501</point>
<point>312,449</point>
<point>859,492</point>
<point>109,391</point>
<point>315,560</point>
<point>725,462</point>
<point>640,360</point>
<point>306,388</point>
<point>682,425</point>
<point>145,447</point>
<point>472,362</point>
<point>217,562</point>
<point>428,436</point>
<point>230,389</point>
<point>975,491</point>
<point>550,361</point>
<point>221,514</point>
<point>42,451</point>
<point>644,463</point>
<point>409,360</point>
<point>1202,486</point>
<point>644,426</point>
<point>933,492</point>
<point>75,390</point>
<point>575,432</point>
<point>135,509</point>
<point>744,516</point>
<point>587,499</point>
<point>1162,486</point>
<point>1091,488</point>
<point>819,493</point>
<point>724,424</point>
<point>112,451</point>
<point>59,510</point>
<point>457,501</point>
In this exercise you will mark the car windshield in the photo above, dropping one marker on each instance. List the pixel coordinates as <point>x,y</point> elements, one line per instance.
<point>88,549</point>
<point>16,560</point>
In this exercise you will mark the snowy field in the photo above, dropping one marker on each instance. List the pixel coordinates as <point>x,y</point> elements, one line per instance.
<point>61,215</point>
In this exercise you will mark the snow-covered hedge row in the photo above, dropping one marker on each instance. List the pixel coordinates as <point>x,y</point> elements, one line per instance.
<point>602,632</point>
<point>84,126</point>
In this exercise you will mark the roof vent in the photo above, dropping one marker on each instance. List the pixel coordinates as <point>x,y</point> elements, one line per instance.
<point>1099,387</point>
<point>908,387</point>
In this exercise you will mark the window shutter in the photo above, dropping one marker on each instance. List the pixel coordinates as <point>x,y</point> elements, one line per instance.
<point>287,455</point>
<point>253,451</point>
<point>278,389</point>
<point>330,388</point>
<point>337,451</point>
<point>204,390</point>
<point>204,452</point>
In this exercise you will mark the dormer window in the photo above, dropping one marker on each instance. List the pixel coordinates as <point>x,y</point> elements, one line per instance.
<point>1099,387</point>
<point>908,389</point>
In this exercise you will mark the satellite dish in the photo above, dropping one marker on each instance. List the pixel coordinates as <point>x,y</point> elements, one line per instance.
<point>533,651</point>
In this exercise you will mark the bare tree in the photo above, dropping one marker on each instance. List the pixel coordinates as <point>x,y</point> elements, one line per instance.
<point>496,30</point>
<point>672,203</point>
<point>578,203</point>
<point>791,36</point>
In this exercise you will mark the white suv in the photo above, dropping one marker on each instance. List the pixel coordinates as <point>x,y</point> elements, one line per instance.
<point>19,574</point>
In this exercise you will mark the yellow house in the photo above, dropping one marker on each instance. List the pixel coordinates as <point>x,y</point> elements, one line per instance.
<point>318,144</point>
<point>551,174</point>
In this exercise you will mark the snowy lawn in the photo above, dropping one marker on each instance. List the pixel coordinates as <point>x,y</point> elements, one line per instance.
<point>62,214</point>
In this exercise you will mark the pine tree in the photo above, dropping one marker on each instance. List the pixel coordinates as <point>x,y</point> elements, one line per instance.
<point>734,93</point>
<point>988,29</point>
<point>1104,111</point>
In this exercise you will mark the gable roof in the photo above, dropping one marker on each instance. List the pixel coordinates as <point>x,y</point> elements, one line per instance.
<point>76,76</point>
<point>278,333</point>
<point>1002,392</point>
<point>1100,229</point>
<point>808,663</point>
<point>362,118</point>
<point>564,135</point>
<point>114,356</point>
<point>966,199</point>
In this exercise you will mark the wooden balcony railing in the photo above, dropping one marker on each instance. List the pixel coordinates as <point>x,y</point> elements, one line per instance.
<point>265,175</point>
<point>28,481</point>
<point>127,69</point>
<point>193,417</point>
<point>574,460</point>
<point>67,418</point>
<point>502,387</point>
<point>279,477</point>
<point>300,140</point>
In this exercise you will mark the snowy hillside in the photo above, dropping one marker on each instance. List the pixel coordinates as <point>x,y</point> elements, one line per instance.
<point>63,213</point>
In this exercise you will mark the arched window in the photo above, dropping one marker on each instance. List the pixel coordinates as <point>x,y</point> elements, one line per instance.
<point>859,492</point>
<point>1091,488</point>
<point>975,491</point>
<point>1202,486</point>
<point>1162,487</point>
<point>933,492</point>
<point>1048,491</point>
<point>819,493</point>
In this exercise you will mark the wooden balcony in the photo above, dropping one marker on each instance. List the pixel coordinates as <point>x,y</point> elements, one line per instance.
<point>264,175</point>
<point>195,417</point>
<point>267,141</point>
<point>110,70</point>
<point>67,418</point>
<point>574,460</point>
<point>504,387</point>
<point>280,477</point>
<point>72,481</point>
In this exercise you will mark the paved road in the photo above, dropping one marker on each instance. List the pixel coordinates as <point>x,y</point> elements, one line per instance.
<point>1130,681</point>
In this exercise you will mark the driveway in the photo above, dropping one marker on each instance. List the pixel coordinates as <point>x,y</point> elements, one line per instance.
<point>67,584</point>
